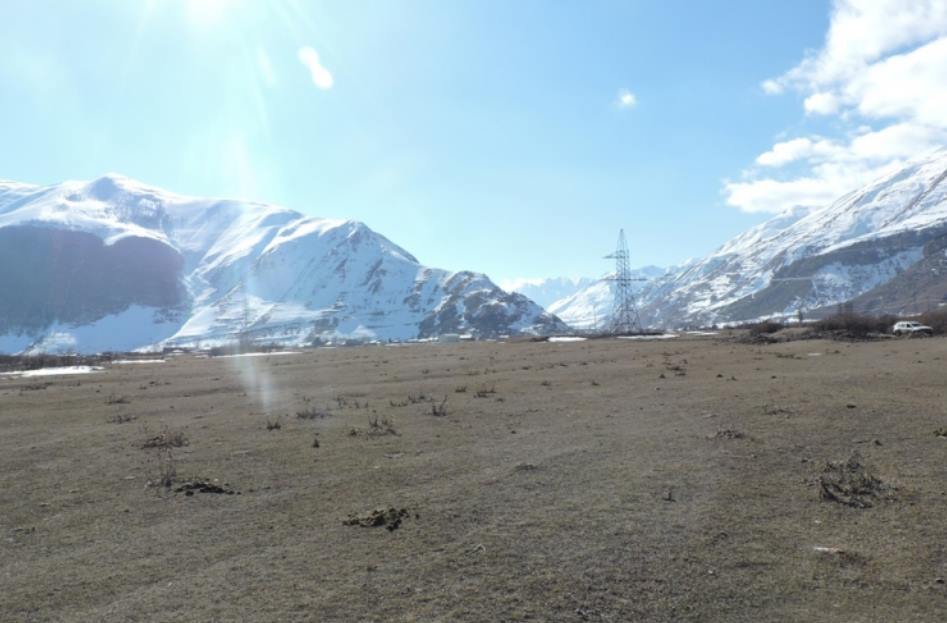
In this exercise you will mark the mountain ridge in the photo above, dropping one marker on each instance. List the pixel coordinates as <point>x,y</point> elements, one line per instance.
<point>809,258</point>
<point>229,270</point>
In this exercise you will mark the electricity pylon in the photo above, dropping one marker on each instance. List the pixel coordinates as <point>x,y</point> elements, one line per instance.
<point>625,317</point>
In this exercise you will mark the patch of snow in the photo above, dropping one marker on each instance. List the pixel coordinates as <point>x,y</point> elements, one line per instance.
<point>275,353</point>
<point>123,362</point>
<point>55,371</point>
<point>663,336</point>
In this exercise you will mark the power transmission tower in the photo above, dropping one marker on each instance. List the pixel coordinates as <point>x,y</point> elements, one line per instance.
<point>625,315</point>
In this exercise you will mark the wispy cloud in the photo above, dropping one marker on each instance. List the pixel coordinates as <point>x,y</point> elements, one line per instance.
<point>881,76</point>
<point>321,77</point>
<point>626,99</point>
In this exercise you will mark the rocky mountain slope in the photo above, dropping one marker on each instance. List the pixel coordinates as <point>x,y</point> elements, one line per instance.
<point>117,265</point>
<point>880,246</point>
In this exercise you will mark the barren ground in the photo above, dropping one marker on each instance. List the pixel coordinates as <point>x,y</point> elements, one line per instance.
<point>581,485</point>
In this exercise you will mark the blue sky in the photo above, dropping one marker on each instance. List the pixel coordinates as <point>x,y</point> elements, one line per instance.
<point>479,135</point>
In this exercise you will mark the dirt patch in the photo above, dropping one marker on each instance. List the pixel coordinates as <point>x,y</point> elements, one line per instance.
<point>729,433</point>
<point>190,487</point>
<point>390,518</point>
<point>852,483</point>
<point>721,530</point>
<point>121,419</point>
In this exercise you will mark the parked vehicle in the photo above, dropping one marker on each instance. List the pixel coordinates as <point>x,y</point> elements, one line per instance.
<point>911,328</point>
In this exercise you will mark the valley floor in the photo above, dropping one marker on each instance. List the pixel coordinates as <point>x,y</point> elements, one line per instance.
<point>607,480</point>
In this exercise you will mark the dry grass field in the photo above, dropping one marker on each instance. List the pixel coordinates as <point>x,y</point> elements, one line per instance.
<point>607,480</point>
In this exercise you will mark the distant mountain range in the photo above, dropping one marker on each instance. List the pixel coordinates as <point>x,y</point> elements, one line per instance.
<point>114,264</point>
<point>882,247</point>
<point>591,307</point>
<point>547,291</point>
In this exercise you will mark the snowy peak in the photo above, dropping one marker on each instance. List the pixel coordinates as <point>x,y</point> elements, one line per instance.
<point>213,271</point>
<point>807,258</point>
<point>812,258</point>
<point>591,306</point>
<point>547,290</point>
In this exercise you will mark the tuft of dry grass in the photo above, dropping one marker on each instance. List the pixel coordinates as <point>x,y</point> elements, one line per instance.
<point>378,426</point>
<point>313,413</point>
<point>851,483</point>
<point>439,410</point>
<point>167,438</point>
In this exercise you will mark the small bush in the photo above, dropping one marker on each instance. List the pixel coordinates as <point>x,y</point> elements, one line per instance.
<point>765,327</point>
<point>381,426</point>
<point>167,438</point>
<point>854,325</point>
<point>852,483</point>
<point>485,391</point>
<point>167,470</point>
<point>937,320</point>
<point>439,410</point>
<point>312,413</point>
<point>273,424</point>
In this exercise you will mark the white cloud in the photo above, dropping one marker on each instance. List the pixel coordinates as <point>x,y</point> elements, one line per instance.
<point>796,149</point>
<point>769,195</point>
<point>626,99</point>
<point>821,103</point>
<point>863,31</point>
<point>911,85</point>
<point>882,76</point>
<point>772,87</point>
<point>321,76</point>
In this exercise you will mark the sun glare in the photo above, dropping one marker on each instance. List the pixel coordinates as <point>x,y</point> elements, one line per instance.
<point>207,12</point>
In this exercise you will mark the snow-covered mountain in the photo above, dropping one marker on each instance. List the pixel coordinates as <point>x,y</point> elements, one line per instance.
<point>547,290</point>
<point>114,264</point>
<point>591,307</point>
<point>874,246</point>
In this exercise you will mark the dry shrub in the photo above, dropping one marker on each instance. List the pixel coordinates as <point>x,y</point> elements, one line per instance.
<point>166,469</point>
<point>765,327</point>
<point>381,426</point>
<point>851,483</point>
<point>115,399</point>
<point>167,438</point>
<point>390,518</point>
<point>729,433</point>
<point>855,326</point>
<point>313,413</point>
<point>439,410</point>
<point>937,320</point>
